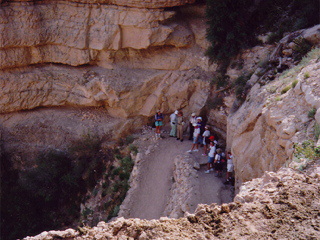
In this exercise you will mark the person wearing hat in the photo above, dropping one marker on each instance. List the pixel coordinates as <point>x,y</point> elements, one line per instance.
<point>173,124</point>
<point>192,121</point>
<point>180,123</point>
<point>158,122</point>
<point>206,140</point>
<point>196,136</point>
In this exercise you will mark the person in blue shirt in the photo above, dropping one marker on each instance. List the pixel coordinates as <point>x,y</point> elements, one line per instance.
<point>158,122</point>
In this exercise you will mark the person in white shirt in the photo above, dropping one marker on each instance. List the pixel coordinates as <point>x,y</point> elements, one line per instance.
<point>192,122</point>
<point>212,151</point>
<point>196,136</point>
<point>230,166</point>
<point>173,123</point>
<point>206,140</point>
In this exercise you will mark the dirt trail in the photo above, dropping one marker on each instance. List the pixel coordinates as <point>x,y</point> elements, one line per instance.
<point>150,198</point>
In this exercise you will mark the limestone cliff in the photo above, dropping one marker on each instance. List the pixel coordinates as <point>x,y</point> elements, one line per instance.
<point>127,58</point>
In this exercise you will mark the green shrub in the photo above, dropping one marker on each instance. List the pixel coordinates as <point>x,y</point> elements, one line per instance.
<point>306,75</point>
<point>312,112</point>
<point>133,149</point>
<point>49,195</point>
<point>234,25</point>
<point>294,83</point>
<point>306,150</point>
<point>220,80</point>
<point>286,89</point>
<point>302,47</point>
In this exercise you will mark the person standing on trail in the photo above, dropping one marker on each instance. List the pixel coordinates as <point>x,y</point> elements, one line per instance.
<point>218,163</point>
<point>206,140</point>
<point>181,123</point>
<point>173,123</point>
<point>212,151</point>
<point>230,167</point>
<point>192,122</point>
<point>158,122</point>
<point>196,136</point>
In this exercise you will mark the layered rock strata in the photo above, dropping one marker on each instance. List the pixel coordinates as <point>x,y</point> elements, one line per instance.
<point>77,34</point>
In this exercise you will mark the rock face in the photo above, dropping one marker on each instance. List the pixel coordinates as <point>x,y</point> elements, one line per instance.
<point>126,57</point>
<point>262,133</point>
<point>77,34</point>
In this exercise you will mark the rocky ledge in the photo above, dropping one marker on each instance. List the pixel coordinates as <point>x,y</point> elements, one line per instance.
<point>277,206</point>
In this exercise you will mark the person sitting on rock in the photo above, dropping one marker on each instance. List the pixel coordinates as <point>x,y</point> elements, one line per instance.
<point>173,123</point>
<point>212,151</point>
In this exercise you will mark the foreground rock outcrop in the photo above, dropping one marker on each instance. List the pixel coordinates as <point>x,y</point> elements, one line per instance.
<point>278,206</point>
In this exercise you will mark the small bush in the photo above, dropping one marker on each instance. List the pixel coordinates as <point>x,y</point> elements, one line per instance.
<point>306,150</point>
<point>220,80</point>
<point>129,140</point>
<point>133,149</point>
<point>301,48</point>
<point>294,83</point>
<point>312,112</point>
<point>278,98</point>
<point>306,75</point>
<point>286,89</point>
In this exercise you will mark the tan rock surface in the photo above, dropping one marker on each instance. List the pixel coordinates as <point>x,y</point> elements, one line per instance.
<point>123,92</point>
<point>77,34</point>
<point>262,132</point>
<point>278,205</point>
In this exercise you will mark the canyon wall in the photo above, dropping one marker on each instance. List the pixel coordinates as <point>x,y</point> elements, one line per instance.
<point>107,65</point>
<point>262,133</point>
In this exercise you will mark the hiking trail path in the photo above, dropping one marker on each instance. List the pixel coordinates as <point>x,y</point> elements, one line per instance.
<point>149,199</point>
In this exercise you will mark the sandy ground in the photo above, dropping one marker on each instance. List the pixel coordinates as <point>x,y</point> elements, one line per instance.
<point>150,198</point>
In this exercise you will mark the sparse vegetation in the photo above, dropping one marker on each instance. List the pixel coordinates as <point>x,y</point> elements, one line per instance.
<point>278,98</point>
<point>240,86</point>
<point>286,89</point>
<point>306,75</point>
<point>312,112</point>
<point>133,149</point>
<point>294,83</point>
<point>49,195</point>
<point>220,80</point>
<point>234,25</point>
<point>306,150</point>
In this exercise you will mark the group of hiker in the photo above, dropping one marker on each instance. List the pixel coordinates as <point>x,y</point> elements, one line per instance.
<point>200,135</point>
